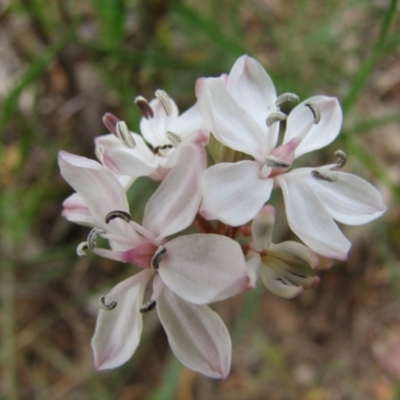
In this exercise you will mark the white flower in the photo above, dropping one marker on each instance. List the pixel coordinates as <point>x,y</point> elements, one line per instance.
<point>286,269</point>
<point>188,272</point>
<point>237,111</point>
<point>163,130</point>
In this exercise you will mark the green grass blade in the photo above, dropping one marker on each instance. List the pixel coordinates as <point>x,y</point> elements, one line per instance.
<point>210,28</point>
<point>112,20</point>
<point>368,65</point>
<point>168,388</point>
<point>35,69</point>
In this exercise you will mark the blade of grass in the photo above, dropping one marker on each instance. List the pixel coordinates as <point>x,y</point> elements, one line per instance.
<point>368,160</point>
<point>248,311</point>
<point>112,19</point>
<point>361,127</point>
<point>368,65</point>
<point>210,28</point>
<point>169,387</point>
<point>35,69</point>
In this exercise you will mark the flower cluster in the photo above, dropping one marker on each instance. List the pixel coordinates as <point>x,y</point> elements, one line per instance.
<point>237,121</point>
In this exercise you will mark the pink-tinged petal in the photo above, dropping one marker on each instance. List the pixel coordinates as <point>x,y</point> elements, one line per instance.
<point>234,193</point>
<point>350,199</point>
<point>278,285</point>
<point>230,123</point>
<point>128,162</point>
<point>126,242</point>
<point>112,142</point>
<point>159,174</point>
<point>175,203</point>
<point>203,268</point>
<point>98,186</point>
<point>262,228</point>
<point>141,255</point>
<point>154,129</point>
<point>197,335</point>
<point>76,210</point>
<point>315,136</point>
<point>197,138</point>
<point>250,85</point>
<point>309,219</point>
<point>118,331</point>
<point>286,153</point>
<point>139,161</point>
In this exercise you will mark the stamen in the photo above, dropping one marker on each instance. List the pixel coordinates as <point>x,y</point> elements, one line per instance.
<point>284,97</point>
<point>80,250</point>
<point>125,135</point>
<point>275,117</point>
<point>150,305</point>
<point>325,174</point>
<point>144,107</point>
<point>158,148</point>
<point>110,121</point>
<point>118,214</point>
<point>315,111</point>
<point>173,138</point>
<point>165,100</point>
<point>107,307</point>
<point>158,256</point>
<point>92,237</point>
<point>342,159</point>
<point>275,162</point>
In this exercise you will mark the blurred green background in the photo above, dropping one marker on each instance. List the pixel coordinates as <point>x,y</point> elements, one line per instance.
<point>64,63</point>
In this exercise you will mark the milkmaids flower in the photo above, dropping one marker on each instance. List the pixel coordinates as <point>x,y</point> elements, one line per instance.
<point>287,268</point>
<point>242,112</point>
<point>163,131</point>
<point>188,272</point>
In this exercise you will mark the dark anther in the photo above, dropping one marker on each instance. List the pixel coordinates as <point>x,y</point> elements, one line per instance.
<point>118,214</point>
<point>144,107</point>
<point>158,148</point>
<point>92,237</point>
<point>315,112</point>
<point>159,254</point>
<point>107,307</point>
<point>150,305</point>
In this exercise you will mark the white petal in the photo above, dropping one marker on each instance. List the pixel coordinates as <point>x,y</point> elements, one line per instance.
<point>98,186</point>
<point>128,162</point>
<point>197,335</point>
<point>230,123</point>
<point>76,210</point>
<point>262,228</point>
<point>203,268</point>
<point>315,136</point>
<point>288,270</point>
<point>187,123</point>
<point>289,251</point>
<point>253,265</point>
<point>309,218</point>
<point>141,255</point>
<point>175,203</point>
<point>278,285</point>
<point>251,87</point>
<point>350,200</point>
<point>118,331</point>
<point>154,129</point>
<point>234,193</point>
